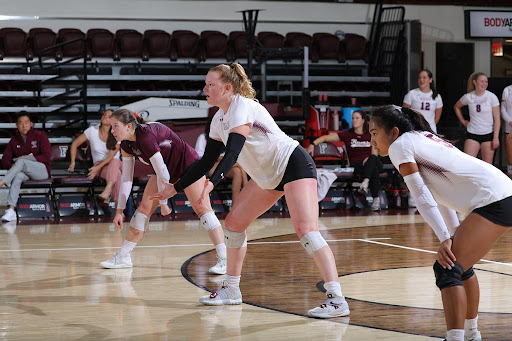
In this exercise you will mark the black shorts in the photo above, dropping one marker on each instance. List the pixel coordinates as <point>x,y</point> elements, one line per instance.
<point>480,138</point>
<point>499,212</point>
<point>300,166</point>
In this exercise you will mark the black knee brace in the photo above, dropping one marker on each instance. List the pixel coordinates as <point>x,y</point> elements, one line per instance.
<point>468,274</point>
<point>448,278</point>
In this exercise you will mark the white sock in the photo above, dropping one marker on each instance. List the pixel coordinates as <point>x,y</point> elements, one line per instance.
<point>455,335</point>
<point>221,250</point>
<point>233,281</point>
<point>471,326</point>
<point>127,248</point>
<point>334,287</point>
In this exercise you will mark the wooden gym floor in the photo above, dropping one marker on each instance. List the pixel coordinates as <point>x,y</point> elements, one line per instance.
<point>52,287</point>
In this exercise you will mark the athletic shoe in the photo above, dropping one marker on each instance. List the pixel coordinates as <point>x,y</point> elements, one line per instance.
<point>475,337</point>
<point>332,307</point>
<point>225,295</point>
<point>363,188</point>
<point>118,261</point>
<point>9,215</point>
<point>9,227</point>
<point>375,205</point>
<point>220,267</point>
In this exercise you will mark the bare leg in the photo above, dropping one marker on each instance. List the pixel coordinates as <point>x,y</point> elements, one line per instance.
<point>107,191</point>
<point>473,239</point>
<point>302,202</point>
<point>472,296</point>
<point>487,152</point>
<point>471,147</point>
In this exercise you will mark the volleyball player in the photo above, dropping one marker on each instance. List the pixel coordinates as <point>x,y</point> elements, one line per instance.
<point>156,144</point>
<point>277,165</point>
<point>425,99</point>
<point>506,113</point>
<point>444,180</point>
<point>484,117</point>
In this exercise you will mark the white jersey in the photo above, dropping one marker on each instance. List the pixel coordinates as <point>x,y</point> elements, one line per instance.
<point>481,121</point>
<point>99,149</point>
<point>425,105</point>
<point>267,148</point>
<point>456,180</point>
<point>506,108</point>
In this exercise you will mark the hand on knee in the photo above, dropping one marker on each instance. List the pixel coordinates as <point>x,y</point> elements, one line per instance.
<point>446,278</point>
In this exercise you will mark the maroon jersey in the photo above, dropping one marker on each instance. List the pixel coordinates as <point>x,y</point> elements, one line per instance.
<point>37,143</point>
<point>358,145</point>
<point>155,137</point>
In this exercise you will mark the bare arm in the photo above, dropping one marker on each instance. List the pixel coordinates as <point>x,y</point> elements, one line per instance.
<point>457,107</point>
<point>496,130</point>
<point>333,137</point>
<point>437,117</point>
<point>72,151</point>
<point>405,105</point>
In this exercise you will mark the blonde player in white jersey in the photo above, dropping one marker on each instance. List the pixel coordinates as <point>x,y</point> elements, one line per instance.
<point>484,117</point>
<point>506,113</point>
<point>444,180</point>
<point>277,165</point>
<point>425,99</point>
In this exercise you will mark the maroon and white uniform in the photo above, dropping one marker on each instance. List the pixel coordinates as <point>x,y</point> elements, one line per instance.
<point>154,137</point>
<point>358,145</point>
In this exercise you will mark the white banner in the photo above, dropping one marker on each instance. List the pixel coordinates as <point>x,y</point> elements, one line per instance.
<point>161,109</point>
<point>487,24</point>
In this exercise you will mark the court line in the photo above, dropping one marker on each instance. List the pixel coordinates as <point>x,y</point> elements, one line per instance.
<point>426,251</point>
<point>177,245</point>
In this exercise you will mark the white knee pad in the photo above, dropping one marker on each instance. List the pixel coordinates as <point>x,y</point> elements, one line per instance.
<point>209,221</point>
<point>509,169</point>
<point>312,242</point>
<point>139,221</point>
<point>235,240</point>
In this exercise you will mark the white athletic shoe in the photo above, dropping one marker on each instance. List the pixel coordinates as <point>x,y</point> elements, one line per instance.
<point>475,337</point>
<point>332,307</point>
<point>9,215</point>
<point>363,188</point>
<point>220,267</point>
<point>118,262</point>
<point>375,205</point>
<point>225,295</point>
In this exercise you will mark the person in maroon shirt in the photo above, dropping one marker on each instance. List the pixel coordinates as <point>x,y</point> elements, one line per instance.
<point>361,155</point>
<point>157,145</point>
<point>27,156</point>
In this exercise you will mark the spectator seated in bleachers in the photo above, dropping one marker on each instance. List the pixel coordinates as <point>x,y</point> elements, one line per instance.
<point>105,156</point>
<point>237,174</point>
<point>361,155</point>
<point>27,156</point>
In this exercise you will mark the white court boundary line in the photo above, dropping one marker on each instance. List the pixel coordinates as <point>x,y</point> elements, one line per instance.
<point>426,251</point>
<point>179,245</point>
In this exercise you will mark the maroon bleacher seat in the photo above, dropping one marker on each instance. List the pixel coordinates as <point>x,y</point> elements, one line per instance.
<point>40,39</point>
<point>73,49</point>
<point>13,43</point>
<point>271,40</point>
<point>354,47</point>
<point>325,46</point>
<point>100,43</point>
<point>275,109</point>
<point>129,43</point>
<point>137,86</point>
<point>214,44</point>
<point>298,39</point>
<point>185,44</point>
<point>237,45</point>
<point>156,44</point>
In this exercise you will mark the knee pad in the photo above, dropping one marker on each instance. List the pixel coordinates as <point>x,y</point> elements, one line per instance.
<point>509,169</point>
<point>235,240</point>
<point>448,278</point>
<point>312,242</point>
<point>468,274</point>
<point>139,221</point>
<point>209,221</point>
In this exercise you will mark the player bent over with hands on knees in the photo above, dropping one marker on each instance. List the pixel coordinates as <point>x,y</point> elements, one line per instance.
<point>277,165</point>
<point>156,144</point>
<point>444,180</point>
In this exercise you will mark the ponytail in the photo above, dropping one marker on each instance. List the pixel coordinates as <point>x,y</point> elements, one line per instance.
<point>403,118</point>
<point>235,75</point>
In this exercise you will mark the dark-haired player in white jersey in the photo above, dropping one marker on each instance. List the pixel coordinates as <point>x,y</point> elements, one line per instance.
<point>444,180</point>
<point>425,99</point>
<point>484,117</point>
